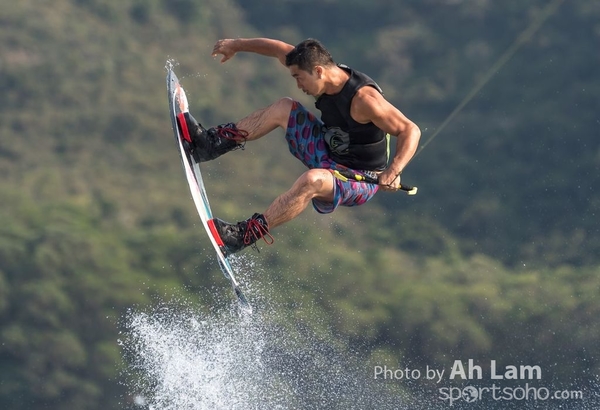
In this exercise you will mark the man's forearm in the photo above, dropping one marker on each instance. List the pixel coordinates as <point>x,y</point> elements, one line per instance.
<point>264,46</point>
<point>405,149</point>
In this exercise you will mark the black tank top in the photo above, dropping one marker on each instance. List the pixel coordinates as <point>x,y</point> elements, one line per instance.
<point>350,143</point>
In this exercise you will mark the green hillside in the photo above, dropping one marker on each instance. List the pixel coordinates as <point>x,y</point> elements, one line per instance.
<point>497,257</point>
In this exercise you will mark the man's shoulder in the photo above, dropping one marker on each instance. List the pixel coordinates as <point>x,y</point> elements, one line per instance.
<point>365,104</point>
<point>367,94</point>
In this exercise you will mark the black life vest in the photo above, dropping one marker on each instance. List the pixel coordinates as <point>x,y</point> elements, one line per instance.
<point>350,143</point>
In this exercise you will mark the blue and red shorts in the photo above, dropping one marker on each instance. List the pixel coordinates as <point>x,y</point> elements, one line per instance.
<point>304,135</point>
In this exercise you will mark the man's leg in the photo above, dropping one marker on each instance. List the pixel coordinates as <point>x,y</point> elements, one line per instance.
<point>313,184</point>
<point>265,120</point>
<point>209,144</point>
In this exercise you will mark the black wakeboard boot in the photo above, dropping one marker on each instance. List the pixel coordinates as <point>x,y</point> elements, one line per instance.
<point>237,236</point>
<point>206,145</point>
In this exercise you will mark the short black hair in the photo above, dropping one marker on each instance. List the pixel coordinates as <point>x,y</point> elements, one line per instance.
<point>308,54</point>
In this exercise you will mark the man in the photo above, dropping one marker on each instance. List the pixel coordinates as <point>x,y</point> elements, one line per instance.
<point>352,133</point>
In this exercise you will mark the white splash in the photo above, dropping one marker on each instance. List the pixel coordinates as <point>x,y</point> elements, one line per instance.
<point>182,357</point>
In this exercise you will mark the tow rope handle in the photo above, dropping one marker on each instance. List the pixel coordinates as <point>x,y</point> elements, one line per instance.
<point>346,174</point>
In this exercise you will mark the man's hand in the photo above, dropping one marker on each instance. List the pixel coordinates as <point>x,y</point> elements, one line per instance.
<point>389,181</point>
<point>224,47</point>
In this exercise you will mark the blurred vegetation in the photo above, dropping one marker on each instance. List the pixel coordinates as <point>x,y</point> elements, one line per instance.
<point>497,257</point>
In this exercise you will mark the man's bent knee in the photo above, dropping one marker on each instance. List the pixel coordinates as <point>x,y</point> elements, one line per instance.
<point>318,183</point>
<point>284,106</point>
<point>286,103</point>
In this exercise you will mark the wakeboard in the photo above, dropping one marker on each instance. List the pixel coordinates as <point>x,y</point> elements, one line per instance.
<point>178,105</point>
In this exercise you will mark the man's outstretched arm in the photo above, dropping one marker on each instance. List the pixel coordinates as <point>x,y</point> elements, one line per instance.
<point>264,46</point>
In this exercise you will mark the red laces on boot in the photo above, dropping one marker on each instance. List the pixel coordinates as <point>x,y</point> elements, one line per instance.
<point>232,133</point>
<point>255,230</point>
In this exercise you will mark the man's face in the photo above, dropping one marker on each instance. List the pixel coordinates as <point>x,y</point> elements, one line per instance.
<point>310,84</point>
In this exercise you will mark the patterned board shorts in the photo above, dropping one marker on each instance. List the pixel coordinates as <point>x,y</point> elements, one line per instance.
<point>305,140</point>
